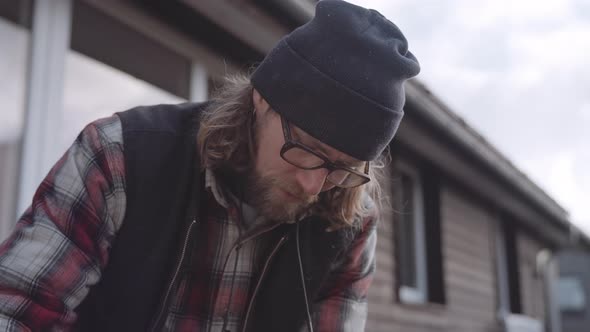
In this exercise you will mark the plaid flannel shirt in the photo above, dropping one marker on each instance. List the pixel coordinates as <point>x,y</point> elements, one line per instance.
<point>61,244</point>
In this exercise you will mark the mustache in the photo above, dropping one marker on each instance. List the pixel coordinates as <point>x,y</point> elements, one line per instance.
<point>295,191</point>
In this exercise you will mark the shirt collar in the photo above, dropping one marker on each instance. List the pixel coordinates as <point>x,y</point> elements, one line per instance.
<point>214,187</point>
<point>228,200</point>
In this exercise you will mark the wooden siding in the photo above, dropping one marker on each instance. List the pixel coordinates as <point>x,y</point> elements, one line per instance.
<point>385,314</point>
<point>469,262</point>
<point>469,270</point>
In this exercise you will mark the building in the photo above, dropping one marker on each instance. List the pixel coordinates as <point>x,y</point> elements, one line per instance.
<point>574,287</point>
<point>470,244</point>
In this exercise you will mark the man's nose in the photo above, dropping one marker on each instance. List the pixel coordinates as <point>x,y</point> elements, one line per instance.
<point>312,181</point>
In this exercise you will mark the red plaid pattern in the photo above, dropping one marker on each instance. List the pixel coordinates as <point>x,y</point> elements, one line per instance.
<point>61,244</point>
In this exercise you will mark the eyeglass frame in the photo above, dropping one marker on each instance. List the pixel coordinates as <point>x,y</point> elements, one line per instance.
<point>329,165</point>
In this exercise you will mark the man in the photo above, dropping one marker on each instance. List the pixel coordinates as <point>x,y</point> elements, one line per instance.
<point>251,212</point>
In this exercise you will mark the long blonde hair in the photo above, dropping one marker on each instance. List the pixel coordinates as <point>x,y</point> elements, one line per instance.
<point>226,139</point>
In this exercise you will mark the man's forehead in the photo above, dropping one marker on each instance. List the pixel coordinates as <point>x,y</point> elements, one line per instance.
<point>329,151</point>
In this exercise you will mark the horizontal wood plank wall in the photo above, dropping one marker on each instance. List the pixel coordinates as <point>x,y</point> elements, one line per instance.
<point>469,262</point>
<point>381,293</point>
<point>469,268</point>
<point>532,291</point>
<point>385,314</point>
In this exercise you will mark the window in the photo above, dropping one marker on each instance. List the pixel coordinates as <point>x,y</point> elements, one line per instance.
<point>513,261</point>
<point>15,34</point>
<point>508,268</point>
<point>570,294</point>
<point>412,269</point>
<point>112,67</point>
<point>94,89</point>
<point>99,61</point>
<point>417,235</point>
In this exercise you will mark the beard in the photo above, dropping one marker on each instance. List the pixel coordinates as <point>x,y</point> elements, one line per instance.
<point>266,195</point>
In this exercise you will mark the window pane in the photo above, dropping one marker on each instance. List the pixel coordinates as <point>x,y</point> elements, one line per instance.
<point>571,295</point>
<point>94,89</point>
<point>13,66</point>
<point>406,245</point>
<point>112,67</point>
<point>109,40</point>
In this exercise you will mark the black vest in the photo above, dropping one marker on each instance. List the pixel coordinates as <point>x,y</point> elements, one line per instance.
<point>163,183</point>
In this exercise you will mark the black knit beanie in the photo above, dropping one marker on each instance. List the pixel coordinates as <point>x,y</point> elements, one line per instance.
<point>340,78</point>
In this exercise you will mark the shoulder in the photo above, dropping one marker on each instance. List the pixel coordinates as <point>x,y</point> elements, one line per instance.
<point>101,133</point>
<point>367,221</point>
<point>165,118</point>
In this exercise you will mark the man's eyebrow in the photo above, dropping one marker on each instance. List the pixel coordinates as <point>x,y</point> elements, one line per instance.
<point>314,143</point>
<point>350,164</point>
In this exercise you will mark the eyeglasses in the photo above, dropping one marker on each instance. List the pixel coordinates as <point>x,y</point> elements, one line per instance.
<point>304,157</point>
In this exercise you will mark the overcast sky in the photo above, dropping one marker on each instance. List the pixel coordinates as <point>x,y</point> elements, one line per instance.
<point>518,71</point>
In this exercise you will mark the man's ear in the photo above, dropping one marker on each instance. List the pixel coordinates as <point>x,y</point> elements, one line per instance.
<point>260,104</point>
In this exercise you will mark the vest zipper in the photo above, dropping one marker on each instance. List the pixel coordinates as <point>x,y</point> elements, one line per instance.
<point>163,305</point>
<point>264,269</point>
<point>236,246</point>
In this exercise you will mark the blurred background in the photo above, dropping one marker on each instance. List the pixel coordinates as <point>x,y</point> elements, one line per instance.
<point>489,179</point>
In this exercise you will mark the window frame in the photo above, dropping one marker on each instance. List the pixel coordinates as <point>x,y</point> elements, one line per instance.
<point>419,294</point>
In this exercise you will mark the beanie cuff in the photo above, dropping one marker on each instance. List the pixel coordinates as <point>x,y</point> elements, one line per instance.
<point>323,107</point>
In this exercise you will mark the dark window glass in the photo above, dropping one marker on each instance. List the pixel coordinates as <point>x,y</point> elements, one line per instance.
<point>406,231</point>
